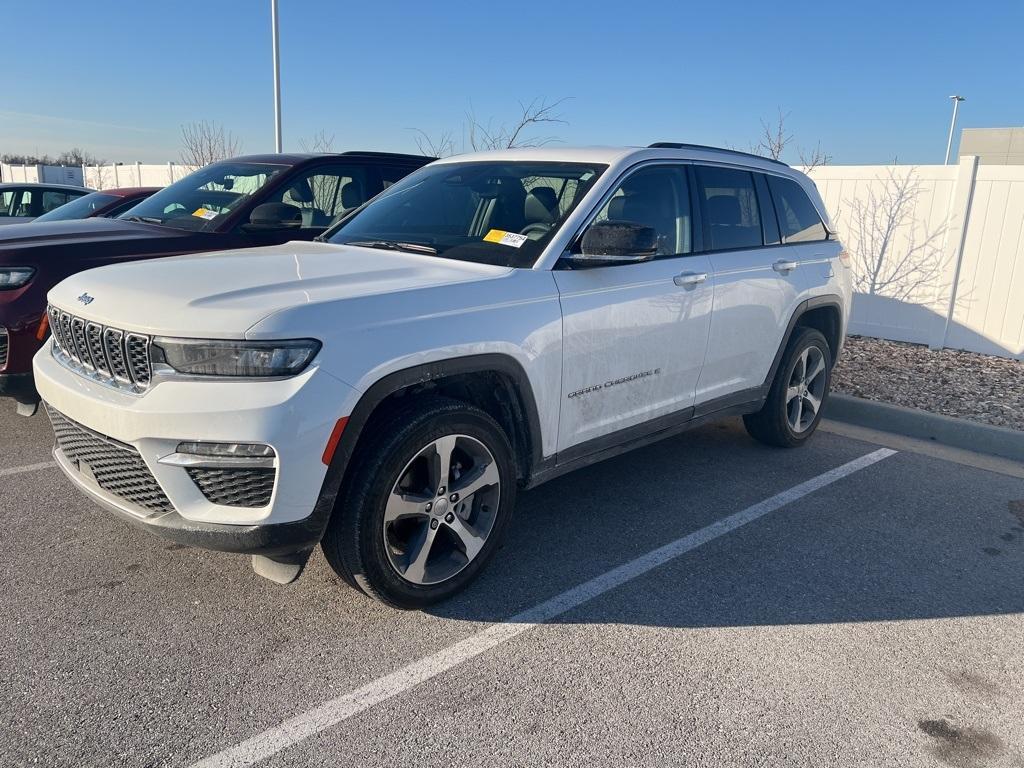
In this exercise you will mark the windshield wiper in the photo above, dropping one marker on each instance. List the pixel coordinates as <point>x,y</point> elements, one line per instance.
<point>394,245</point>
<point>145,219</point>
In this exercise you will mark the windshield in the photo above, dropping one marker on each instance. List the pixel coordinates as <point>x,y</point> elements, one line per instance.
<point>80,208</point>
<point>501,213</point>
<point>201,200</point>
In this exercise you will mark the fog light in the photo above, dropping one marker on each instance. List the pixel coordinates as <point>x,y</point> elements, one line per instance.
<point>228,450</point>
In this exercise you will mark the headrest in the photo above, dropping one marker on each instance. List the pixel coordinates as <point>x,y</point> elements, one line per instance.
<point>301,192</point>
<point>352,195</point>
<point>541,205</point>
<point>724,209</point>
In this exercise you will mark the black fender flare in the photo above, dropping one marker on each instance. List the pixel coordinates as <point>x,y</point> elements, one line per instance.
<point>422,374</point>
<point>815,302</point>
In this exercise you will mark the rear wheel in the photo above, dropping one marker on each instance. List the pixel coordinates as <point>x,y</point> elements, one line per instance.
<point>428,499</point>
<point>793,409</point>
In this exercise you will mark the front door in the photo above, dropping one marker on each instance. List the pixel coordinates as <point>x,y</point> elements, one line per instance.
<point>634,335</point>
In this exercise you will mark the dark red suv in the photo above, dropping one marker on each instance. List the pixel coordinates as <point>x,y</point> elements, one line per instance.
<point>239,203</point>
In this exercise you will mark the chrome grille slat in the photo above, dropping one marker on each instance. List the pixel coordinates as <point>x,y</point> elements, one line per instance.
<point>4,342</point>
<point>94,340</point>
<point>55,330</point>
<point>137,350</point>
<point>113,343</point>
<point>69,343</point>
<point>111,355</point>
<point>116,467</point>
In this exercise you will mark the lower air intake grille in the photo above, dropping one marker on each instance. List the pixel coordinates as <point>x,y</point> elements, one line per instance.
<point>235,487</point>
<point>3,347</point>
<point>118,468</point>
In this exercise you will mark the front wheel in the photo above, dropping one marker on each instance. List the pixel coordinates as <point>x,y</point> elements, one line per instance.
<point>429,497</point>
<point>793,408</point>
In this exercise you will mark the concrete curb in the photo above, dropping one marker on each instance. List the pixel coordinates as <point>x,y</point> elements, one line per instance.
<point>911,422</point>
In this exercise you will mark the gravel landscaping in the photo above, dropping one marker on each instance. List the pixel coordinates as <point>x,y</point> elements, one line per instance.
<point>954,383</point>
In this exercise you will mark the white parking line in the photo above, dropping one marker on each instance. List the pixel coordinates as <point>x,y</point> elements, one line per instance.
<point>330,713</point>
<point>27,468</point>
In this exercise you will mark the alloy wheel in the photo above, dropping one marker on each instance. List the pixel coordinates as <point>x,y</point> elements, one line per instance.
<point>441,509</point>
<point>806,389</point>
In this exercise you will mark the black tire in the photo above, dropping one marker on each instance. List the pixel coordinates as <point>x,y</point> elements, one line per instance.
<point>354,543</point>
<point>771,425</point>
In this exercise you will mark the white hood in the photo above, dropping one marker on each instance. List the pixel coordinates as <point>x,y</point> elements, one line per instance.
<point>221,295</point>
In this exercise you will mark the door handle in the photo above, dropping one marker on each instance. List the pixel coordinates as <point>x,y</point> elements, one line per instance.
<point>690,279</point>
<point>785,266</point>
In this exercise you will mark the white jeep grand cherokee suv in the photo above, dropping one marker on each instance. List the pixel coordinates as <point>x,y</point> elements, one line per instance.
<point>487,323</point>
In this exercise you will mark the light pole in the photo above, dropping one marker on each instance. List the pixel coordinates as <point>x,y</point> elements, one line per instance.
<point>277,78</point>
<point>952,125</point>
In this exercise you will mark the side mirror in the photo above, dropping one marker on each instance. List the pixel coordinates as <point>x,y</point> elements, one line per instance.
<point>607,243</point>
<point>273,217</point>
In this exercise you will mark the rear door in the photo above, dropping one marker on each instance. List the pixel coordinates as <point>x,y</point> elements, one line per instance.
<point>634,335</point>
<point>758,281</point>
<point>805,234</point>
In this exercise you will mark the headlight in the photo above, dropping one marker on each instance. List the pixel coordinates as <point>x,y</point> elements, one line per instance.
<point>15,277</point>
<point>242,359</point>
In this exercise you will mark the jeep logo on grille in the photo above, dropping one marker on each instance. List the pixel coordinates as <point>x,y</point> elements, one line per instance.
<point>86,299</point>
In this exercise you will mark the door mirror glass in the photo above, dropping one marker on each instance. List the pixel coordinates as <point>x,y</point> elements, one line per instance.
<point>616,242</point>
<point>273,217</point>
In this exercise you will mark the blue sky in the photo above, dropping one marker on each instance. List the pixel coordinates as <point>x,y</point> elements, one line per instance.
<point>869,80</point>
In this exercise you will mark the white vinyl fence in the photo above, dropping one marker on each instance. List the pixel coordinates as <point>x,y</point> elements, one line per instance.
<point>98,176</point>
<point>938,251</point>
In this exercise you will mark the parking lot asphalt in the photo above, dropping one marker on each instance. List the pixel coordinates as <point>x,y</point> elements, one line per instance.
<point>875,620</point>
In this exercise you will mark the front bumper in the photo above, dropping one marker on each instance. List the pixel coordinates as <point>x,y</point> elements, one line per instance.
<point>294,416</point>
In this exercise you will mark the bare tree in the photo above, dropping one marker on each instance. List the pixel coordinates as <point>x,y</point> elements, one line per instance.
<point>479,135</point>
<point>320,142</point>
<point>443,145</point>
<point>774,139</point>
<point>893,256</point>
<point>204,142</point>
<point>517,133</point>
<point>814,158</point>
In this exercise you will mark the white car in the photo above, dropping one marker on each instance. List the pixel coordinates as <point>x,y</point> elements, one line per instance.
<point>486,324</point>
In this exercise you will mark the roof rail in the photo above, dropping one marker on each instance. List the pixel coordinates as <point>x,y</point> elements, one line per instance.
<point>679,145</point>
<point>386,155</point>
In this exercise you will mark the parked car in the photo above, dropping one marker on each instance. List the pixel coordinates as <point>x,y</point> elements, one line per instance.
<point>21,203</point>
<point>240,203</point>
<point>488,323</point>
<point>106,203</point>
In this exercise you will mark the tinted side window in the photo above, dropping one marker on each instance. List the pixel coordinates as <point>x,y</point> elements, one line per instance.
<point>657,196</point>
<point>798,219</point>
<point>389,174</point>
<point>7,198</point>
<point>24,208</point>
<point>322,194</point>
<point>53,199</point>
<point>731,215</point>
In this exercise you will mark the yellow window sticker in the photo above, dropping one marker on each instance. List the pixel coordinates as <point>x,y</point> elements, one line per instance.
<point>204,213</point>
<point>505,238</point>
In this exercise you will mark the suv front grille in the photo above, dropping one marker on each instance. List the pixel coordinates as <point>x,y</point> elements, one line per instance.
<point>111,355</point>
<point>3,347</point>
<point>233,487</point>
<point>117,468</point>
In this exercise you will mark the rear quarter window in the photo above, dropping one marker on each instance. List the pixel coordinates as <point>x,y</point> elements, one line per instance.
<point>798,218</point>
